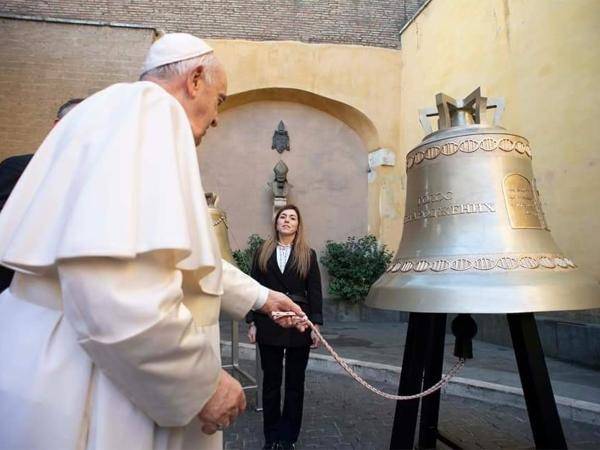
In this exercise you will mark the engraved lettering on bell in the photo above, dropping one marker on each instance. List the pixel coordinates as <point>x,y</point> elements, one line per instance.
<point>428,206</point>
<point>281,139</point>
<point>523,212</point>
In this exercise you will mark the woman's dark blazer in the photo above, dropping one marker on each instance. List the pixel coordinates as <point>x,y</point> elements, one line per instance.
<point>290,283</point>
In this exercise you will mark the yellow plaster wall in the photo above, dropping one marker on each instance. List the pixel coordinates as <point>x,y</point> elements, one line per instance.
<point>543,57</point>
<point>364,78</point>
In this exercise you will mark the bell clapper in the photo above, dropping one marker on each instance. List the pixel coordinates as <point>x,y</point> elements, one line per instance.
<point>464,330</point>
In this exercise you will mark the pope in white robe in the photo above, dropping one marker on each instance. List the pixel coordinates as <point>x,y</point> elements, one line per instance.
<point>109,335</point>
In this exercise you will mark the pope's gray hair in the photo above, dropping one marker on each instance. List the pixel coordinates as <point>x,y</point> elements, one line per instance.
<point>208,61</point>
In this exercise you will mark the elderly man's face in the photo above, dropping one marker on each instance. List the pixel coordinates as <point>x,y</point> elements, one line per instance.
<point>206,103</point>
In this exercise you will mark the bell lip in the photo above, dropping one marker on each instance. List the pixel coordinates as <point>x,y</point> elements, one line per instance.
<point>456,293</point>
<point>466,130</point>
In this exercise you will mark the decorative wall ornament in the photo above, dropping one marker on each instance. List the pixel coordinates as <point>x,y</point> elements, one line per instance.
<point>280,185</point>
<point>281,139</point>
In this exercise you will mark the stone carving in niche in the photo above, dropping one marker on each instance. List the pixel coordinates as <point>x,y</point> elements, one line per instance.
<point>280,186</point>
<point>281,139</point>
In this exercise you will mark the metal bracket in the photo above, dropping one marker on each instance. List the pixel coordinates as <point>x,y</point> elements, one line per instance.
<point>473,104</point>
<point>254,383</point>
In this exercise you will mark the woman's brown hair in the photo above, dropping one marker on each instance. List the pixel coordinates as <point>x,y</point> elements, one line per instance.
<point>301,254</point>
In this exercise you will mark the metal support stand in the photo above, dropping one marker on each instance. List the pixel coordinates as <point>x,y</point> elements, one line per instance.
<point>259,382</point>
<point>541,407</point>
<point>430,405</point>
<point>422,367</point>
<point>411,380</point>
<point>242,375</point>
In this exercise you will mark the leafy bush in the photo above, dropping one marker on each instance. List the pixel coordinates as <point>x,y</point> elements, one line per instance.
<point>244,257</point>
<point>354,265</point>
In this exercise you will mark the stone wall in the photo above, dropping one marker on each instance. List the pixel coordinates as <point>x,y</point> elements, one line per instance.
<point>361,22</point>
<point>42,65</point>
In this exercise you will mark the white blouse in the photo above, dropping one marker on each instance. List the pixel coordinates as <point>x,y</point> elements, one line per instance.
<point>283,254</point>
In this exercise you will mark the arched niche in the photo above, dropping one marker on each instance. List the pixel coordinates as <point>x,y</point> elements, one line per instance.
<point>351,116</point>
<point>328,163</point>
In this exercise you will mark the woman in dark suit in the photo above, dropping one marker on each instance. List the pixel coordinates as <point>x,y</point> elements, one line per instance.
<point>287,264</point>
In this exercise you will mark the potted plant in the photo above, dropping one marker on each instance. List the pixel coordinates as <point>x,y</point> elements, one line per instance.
<point>353,266</point>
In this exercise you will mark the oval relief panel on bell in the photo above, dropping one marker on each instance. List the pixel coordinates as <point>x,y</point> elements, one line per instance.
<point>521,202</point>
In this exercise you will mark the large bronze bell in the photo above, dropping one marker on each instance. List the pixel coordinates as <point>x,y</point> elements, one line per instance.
<point>475,239</point>
<point>219,220</point>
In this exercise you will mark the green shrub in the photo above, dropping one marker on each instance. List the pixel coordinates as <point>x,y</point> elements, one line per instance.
<point>354,265</point>
<point>244,257</point>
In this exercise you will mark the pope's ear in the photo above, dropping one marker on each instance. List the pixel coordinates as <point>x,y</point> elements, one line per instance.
<point>195,81</point>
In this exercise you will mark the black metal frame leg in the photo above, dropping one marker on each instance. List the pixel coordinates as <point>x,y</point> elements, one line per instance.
<point>434,362</point>
<point>411,381</point>
<point>541,406</point>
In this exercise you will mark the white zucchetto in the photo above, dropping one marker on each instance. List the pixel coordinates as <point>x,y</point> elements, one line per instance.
<point>174,47</point>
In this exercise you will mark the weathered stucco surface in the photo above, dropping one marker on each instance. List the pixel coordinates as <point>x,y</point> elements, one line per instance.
<point>327,170</point>
<point>543,57</point>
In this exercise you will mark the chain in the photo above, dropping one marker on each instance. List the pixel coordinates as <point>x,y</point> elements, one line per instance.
<point>443,381</point>
<point>221,219</point>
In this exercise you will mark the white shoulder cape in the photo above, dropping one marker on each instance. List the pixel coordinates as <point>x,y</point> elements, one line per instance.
<point>117,177</point>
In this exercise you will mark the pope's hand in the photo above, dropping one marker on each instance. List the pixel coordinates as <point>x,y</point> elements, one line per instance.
<point>224,406</point>
<point>278,302</point>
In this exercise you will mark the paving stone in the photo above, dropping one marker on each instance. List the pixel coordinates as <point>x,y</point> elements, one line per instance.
<point>341,414</point>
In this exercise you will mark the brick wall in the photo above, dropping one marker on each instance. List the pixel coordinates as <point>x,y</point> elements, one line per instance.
<point>44,64</point>
<point>363,22</point>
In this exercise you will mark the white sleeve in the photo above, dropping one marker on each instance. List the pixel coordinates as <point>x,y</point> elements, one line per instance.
<point>241,292</point>
<point>129,318</point>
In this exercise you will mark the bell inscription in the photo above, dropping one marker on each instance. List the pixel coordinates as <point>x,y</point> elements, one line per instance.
<point>435,205</point>
<point>521,203</point>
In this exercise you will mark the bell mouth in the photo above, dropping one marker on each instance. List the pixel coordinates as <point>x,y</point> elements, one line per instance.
<point>486,293</point>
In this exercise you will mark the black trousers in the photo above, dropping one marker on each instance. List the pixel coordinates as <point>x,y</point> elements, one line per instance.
<point>278,424</point>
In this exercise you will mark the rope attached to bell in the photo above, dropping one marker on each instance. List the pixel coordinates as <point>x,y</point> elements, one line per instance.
<point>443,381</point>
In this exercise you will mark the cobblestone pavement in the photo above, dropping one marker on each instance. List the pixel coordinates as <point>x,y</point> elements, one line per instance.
<point>384,343</point>
<point>340,414</point>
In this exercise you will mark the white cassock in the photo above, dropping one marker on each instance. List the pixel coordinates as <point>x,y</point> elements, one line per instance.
<point>109,335</point>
